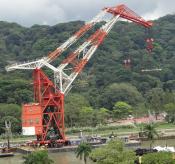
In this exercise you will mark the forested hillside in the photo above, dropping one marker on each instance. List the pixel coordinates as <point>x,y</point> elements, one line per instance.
<point>104,81</point>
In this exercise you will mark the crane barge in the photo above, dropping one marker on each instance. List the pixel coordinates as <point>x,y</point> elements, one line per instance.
<point>45,117</point>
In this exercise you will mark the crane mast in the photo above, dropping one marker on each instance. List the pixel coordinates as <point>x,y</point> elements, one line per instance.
<point>45,117</point>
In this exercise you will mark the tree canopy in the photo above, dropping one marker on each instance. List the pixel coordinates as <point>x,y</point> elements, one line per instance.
<point>158,158</point>
<point>104,80</point>
<point>113,152</point>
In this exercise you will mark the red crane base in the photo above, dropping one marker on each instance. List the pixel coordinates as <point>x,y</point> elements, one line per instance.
<point>45,118</point>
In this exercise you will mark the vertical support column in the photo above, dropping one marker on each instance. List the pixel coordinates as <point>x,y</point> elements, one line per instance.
<point>62,117</point>
<point>37,85</point>
<point>51,101</point>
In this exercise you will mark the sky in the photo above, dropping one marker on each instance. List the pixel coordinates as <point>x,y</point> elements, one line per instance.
<point>51,12</point>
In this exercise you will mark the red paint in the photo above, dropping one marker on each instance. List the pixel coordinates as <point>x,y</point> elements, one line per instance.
<point>49,110</point>
<point>128,14</point>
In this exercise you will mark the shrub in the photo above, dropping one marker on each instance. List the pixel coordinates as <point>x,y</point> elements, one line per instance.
<point>158,158</point>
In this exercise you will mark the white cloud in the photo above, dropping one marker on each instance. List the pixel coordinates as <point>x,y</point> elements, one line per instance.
<point>29,12</point>
<point>160,10</point>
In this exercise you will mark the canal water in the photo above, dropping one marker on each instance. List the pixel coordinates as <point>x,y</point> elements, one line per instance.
<point>58,158</point>
<point>168,142</point>
<point>70,157</point>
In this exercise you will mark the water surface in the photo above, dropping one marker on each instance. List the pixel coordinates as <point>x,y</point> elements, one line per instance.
<point>58,158</point>
<point>70,157</point>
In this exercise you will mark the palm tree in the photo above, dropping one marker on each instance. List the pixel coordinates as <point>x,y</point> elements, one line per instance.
<point>150,132</point>
<point>83,151</point>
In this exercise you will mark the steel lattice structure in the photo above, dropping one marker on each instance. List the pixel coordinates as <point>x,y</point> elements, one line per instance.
<point>49,97</point>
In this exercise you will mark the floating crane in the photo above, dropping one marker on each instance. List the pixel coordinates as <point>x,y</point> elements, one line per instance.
<point>45,117</point>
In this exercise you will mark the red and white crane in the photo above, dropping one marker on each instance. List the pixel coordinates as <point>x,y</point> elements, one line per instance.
<point>45,117</point>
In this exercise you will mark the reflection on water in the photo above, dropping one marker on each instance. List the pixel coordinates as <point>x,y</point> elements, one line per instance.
<point>70,157</point>
<point>66,158</point>
<point>168,142</point>
<point>17,159</point>
<point>58,158</point>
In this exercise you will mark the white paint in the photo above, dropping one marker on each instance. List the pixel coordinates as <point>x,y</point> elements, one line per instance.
<point>27,131</point>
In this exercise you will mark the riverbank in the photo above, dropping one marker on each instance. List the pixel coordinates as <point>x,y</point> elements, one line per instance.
<point>70,157</point>
<point>25,150</point>
<point>165,130</point>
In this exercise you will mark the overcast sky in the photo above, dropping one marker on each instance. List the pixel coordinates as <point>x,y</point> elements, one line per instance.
<point>29,12</point>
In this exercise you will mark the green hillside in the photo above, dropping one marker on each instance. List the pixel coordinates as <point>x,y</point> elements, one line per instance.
<point>104,81</point>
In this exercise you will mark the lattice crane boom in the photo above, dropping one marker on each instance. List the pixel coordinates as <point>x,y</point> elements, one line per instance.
<point>53,55</point>
<point>93,42</point>
<point>120,11</point>
<point>128,14</point>
<point>104,29</point>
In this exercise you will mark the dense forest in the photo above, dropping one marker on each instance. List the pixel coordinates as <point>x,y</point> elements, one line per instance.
<point>105,85</point>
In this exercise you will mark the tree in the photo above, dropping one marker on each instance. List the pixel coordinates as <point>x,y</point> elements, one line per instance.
<point>170,109</point>
<point>86,116</point>
<point>15,91</point>
<point>10,110</point>
<point>37,157</point>
<point>158,158</point>
<point>83,151</point>
<point>121,109</point>
<point>12,113</point>
<point>16,124</point>
<point>73,105</point>
<point>102,115</point>
<point>120,92</point>
<point>113,152</point>
<point>155,99</point>
<point>169,85</point>
<point>150,132</point>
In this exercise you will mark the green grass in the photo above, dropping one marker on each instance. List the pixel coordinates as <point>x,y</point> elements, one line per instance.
<point>17,138</point>
<point>102,131</point>
<point>119,130</point>
<point>165,126</point>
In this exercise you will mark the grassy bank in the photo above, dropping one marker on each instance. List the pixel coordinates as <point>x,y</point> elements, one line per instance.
<point>119,130</point>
